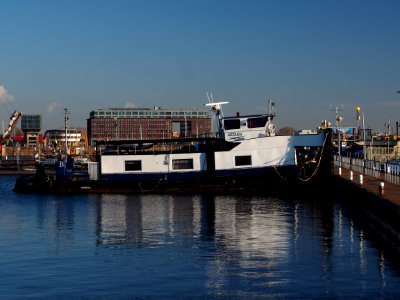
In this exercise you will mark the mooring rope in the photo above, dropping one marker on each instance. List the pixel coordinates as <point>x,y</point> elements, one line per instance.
<point>319,162</point>
<point>316,169</point>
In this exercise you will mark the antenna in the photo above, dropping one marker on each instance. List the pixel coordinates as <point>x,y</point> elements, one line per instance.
<point>271,106</point>
<point>338,118</point>
<point>208,97</point>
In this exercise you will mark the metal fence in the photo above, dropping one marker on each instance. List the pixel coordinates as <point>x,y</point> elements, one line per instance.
<point>389,171</point>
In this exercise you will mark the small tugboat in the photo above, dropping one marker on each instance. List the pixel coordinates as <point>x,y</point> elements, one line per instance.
<point>244,153</point>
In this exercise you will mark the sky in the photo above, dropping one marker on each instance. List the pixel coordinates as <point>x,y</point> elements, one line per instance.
<point>309,57</point>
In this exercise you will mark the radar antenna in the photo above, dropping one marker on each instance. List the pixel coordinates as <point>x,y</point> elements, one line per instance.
<point>215,106</point>
<point>271,106</point>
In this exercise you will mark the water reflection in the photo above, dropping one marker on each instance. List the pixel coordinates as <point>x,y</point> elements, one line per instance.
<point>251,227</point>
<point>221,244</point>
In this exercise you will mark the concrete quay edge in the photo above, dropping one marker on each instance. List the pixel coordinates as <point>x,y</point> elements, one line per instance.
<point>382,212</point>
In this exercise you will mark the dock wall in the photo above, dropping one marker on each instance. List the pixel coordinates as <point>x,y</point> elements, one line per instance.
<point>380,213</point>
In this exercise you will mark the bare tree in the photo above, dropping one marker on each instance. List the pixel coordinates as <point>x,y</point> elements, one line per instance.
<point>287,130</point>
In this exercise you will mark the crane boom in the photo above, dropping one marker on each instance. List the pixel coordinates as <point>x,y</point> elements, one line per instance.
<point>13,120</point>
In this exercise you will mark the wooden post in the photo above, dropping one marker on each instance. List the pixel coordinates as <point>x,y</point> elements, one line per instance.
<point>381,188</point>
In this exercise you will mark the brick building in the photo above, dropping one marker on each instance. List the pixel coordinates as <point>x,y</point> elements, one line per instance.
<point>147,123</point>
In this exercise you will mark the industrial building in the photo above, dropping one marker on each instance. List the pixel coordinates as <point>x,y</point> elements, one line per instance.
<point>77,142</point>
<point>147,123</point>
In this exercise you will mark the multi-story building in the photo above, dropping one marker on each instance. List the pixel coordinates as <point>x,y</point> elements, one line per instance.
<point>31,125</point>
<point>147,123</point>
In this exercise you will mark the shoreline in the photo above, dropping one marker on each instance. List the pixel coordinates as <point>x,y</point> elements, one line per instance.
<point>22,172</point>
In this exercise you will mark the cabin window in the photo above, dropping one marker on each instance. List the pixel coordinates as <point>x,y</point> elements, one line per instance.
<point>133,165</point>
<point>232,124</point>
<point>180,164</point>
<point>244,160</point>
<point>256,122</point>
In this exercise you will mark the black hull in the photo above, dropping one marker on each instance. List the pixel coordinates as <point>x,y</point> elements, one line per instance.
<point>254,180</point>
<point>274,179</point>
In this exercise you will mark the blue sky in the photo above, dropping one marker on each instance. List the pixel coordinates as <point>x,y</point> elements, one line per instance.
<point>307,56</point>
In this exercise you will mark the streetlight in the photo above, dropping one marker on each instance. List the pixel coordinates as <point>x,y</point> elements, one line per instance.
<point>358,117</point>
<point>387,125</point>
<point>338,121</point>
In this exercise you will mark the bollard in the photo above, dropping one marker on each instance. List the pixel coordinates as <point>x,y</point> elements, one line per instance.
<point>351,175</point>
<point>340,171</point>
<point>381,188</point>
<point>361,179</point>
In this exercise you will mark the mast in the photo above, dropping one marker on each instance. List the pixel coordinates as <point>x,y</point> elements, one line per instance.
<point>66,118</point>
<point>216,108</point>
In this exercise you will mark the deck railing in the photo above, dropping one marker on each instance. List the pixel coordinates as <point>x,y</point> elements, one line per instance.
<point>389,171</point>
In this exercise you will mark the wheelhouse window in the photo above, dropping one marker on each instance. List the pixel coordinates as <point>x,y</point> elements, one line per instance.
<point>181,164</point>
<point>244,160</point>
<point>256,122</point>
<point>232,124</point>
<point>133,165</point>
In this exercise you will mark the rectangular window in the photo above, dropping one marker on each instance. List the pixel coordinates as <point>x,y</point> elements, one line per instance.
<point>232,124</point>
<point>243,160</point>
<point>180,164</point>
<point>133,165</point>
<point>256,122</point>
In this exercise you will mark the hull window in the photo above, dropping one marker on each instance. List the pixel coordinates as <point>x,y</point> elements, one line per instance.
<point>256,122</point>
<point>133,165</point>
<point>243,160</point>
<point>180,164</point>
<point>232,124</point>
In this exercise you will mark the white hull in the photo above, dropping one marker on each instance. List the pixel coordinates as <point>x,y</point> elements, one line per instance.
<point>253,154</point>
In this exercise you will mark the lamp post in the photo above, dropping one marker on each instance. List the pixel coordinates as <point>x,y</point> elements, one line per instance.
<point>372,149</point>
<point>387,125</point>
<point>364,145</point>
<point>358,117</point>
<point>397,141</point>
<point>338,121</point>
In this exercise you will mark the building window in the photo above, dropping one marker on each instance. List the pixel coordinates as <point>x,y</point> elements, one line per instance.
<point>133,165</point>
<point>180,164</point>
<point>243,160</point>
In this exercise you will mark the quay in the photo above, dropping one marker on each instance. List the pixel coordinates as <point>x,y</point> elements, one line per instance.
<point>374,199</point>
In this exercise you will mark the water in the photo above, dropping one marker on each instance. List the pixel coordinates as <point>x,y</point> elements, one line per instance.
<point>155,246</point>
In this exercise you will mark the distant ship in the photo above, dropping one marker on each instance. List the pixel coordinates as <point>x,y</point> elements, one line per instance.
<point>243,153</point>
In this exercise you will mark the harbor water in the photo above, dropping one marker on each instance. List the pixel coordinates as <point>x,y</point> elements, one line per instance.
<point>189,246</point>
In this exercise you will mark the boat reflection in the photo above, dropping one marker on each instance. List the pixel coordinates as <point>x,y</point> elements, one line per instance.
<point>226,240</point>
<point>245,227</point>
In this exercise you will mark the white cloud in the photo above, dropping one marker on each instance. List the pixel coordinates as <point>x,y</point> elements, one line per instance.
<point>5,97</point>
<point>129,105</point>
<point>51,107</point>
